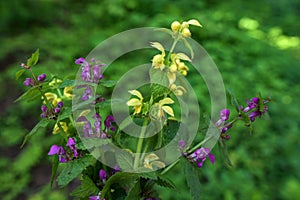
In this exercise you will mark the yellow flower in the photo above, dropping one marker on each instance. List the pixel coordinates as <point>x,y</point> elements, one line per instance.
<point>151,161</point>
<point>57,130</point>
<point>137,103</point>
<point>162,109</point>
<point>178,90</point>
<point>159,59</point>
<point>55,82</point>
<point>175,26</point>
<point>68,92</point>
<point>52,98</point>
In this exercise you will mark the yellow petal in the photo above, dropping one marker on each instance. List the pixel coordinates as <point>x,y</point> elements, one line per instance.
<point>194,22</point>
<point>171,77</point>
<point>151,157</point>
<point>134,102</point>
<point>183,56</point>
<point>136,93</point>
<point>137,109</point>
<point>166,100</point>
<point>158,164</point>
<point>158,46</point>
<point>168,110</point>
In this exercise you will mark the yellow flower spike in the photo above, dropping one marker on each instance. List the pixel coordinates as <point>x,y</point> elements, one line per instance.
<point>57,130</point>
<point>68,92</point>
<point>158,164</point>
<point>185,25</point>
<point>175,26</point>
<point>166,100</point>
<point>186,32</point>
<point>171,77</point>
<point>158,62</point>
<point>137,103</point>
<point>51,97</point>
<point>166,109</point>
<point>55,82</point>
<point>150,158</point>
<point>183,72</point>
<point>158,46</point>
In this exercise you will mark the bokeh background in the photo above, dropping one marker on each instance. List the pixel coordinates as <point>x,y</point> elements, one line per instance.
<point>255,45</point>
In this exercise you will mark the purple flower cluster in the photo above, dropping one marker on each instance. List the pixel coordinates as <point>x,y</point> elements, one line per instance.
<point>223,123</point>
<point>90,72</point>
<point>30,82</point>
<point>99,132</point>
<point>199,156</point>
<point>254,108</point>
<point>65,156</point>
<point>51,113</point>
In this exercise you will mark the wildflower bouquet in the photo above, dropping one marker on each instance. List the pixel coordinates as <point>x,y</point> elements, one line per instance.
<point>121,144</point>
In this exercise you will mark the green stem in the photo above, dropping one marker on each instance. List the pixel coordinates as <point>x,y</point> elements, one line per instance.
<point>172,49</point>
<point>170,167</point>
<point>62,131</point>
<point>140,144</point>
<point>200,144</point>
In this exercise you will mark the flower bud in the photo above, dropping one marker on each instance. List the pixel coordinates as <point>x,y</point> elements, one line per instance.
<point>44,108</point>
<point>175,26</point>
<point>41,77</point>
<point>28,82</point>
<point>185,25</point>
<point>183,72</point>
<point>57,110</point>
<point>173,87</point>
<point>102,174</point>
<point>173,68</point>
<point>186,32</point>
<point>60,104</point>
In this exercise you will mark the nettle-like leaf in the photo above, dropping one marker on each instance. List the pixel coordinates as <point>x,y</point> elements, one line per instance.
<point>73,169</point>
<point>42,124</point>
<point>33,59</point>
<point>67,83</point>
<point>224,153</point>
<point>86,189</point>
<point>124,179</point>
<point>192,178</point>
<point>160,82</point>
<point>125,160</point>
<point>165,182</point>
<point>19,73</point>
<point>134,192</point>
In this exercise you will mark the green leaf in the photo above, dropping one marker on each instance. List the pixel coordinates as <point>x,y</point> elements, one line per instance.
<point>19,73</point>
<point>43,123</point>
<point>109,103</point>
<point>33,59</point>
<point>30,94</point>
<point>54,169</point>
<point>165,182</point>
<point>73,169</point>
<point>159,82</point>
<point>192,178</point>
<point>124,160</point>
<point>135,191</point>
<point>86,189</point>
<point>224,153</point>
<point>124,179</point>
<point>165,30</point>
<point>89,143</point>
<point>109,83</point>
<point>67,83</point>
<point>149,175</point>
<point>66,113</point>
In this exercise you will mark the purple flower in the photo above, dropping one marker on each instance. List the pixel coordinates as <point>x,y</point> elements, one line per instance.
<point>94,198</point>
<point>56,110</point>
<point>181,144</point>
<point>224,114</point>
<point>199,156</point>
<point>97,124</point>
<point>55,149</point>
<point>87,93</point>
<point>60,104</point>
<point>251,104</point>
<point>102,174</point>
<point>44,108</point>
<point>86,73</point>
<point>81,61</point>
<point>87,129</point>
<point>41,77</point>
<point>28,82</point>
<point>97,74</point>
<point>72,146</point>
<point>108,123</point>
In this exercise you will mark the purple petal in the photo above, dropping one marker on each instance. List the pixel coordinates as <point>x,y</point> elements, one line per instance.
<point>54,149</point>
<point>211,158</point>
<point>102,174</point>
<point>71,142</point>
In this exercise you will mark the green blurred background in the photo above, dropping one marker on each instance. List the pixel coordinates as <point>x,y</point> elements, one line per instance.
<point>255,45</point>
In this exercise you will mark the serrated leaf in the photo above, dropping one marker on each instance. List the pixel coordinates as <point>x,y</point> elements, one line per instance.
<point>33,59</point>
<point>124,179</point>
<point>135,192</point>
<point>192,178</point>
<point>54,168</point>
<point>43,123</point>
<point>224,153</point>
<point>73,169</point>
<point>19,73</point>
<point>67,83</point>
<point>29,94</point>
<point>149,175</point>
<point>109,83</point>
<point>165,182</point>
<point>86,189</point>
<point>124,160</point>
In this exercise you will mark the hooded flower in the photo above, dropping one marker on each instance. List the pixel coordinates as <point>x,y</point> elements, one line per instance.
<point>199,156</point>
<point>159,59</point>
<point>137,103</point>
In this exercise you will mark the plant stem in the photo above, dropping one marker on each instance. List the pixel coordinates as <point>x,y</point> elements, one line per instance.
<point>200,144</point>
<point>170,167</point>
<point>140,144</point>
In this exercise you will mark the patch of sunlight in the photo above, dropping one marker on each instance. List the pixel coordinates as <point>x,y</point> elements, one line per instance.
<point>248,24</point>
